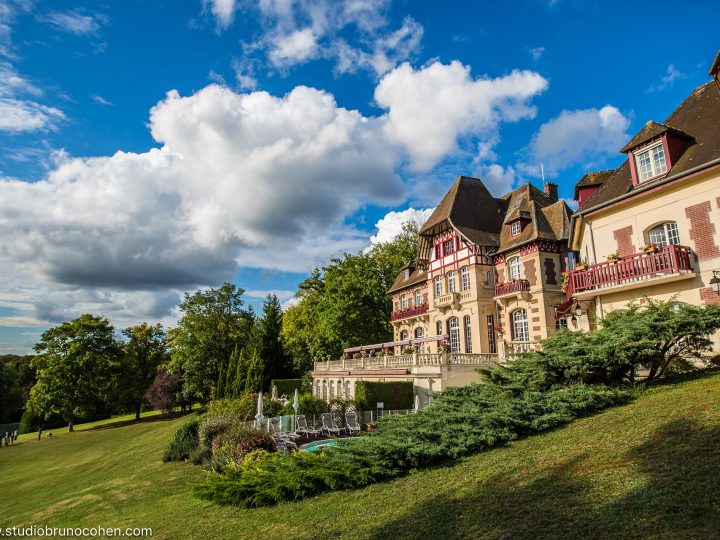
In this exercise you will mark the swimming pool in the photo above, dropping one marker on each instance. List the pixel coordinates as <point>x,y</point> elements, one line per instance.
<point>318,445</point>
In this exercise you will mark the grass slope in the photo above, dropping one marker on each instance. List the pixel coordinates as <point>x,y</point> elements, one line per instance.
<point>649,469</point>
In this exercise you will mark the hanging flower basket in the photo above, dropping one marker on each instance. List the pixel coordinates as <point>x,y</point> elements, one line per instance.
<point>650,247</point>
<point>613,257</point>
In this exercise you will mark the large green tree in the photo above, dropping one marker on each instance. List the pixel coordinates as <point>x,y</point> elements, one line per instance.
<point>272,352</point>
<point>144,351</point>
<point>254,377</point>
<point>11,398</point>
<point>76,365</point>
<point>212,324</point>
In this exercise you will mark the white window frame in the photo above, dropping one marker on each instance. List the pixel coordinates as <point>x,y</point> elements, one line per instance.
<point>454,333</point>
<point>513,268</point>
<point>438,328</point>
<point>656,162</point>
<point>438,286</point>
<point>465,278</point>
<point>561,323</point>
<point>491,334</point>
<point>450,282</point>
<point>467,324</point>
<point>665,234</point>
<point>448,247</point>
<point>403,302</point>
<point>515,228</point>
<point>521,328</point>
<point>404,335</point>
<point>418,298</point>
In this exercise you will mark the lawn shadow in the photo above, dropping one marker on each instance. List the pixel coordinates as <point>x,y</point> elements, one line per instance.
<point>674,493</point>
<point>147,420</point>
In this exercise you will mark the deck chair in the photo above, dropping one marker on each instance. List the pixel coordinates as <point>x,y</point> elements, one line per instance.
<point>328,424</point>
<point>301,427</point>
<point>276,431</point>
<point>351,423</point>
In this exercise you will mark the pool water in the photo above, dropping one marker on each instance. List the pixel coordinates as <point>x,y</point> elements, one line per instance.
<point>317,445</point>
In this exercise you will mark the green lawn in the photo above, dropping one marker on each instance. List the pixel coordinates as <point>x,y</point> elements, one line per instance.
<point>649,469</point>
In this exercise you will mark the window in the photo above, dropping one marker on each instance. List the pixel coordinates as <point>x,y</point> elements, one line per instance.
<point>324,390</point>
<point>451,282</point>
<point>514,268</point>
<point>438,252</point>
<point>438,328</point>
<point>464,278</point>
<point>347,389</point>
<point>561,323</point>
<point>438,286</point>
<point>403,302</point>
<point>420,332</point>
<point>487,279</point>
<point>418,298</point>
<point>491,334</point>
<point>651,162</point>
<point>520,325</point>
<point>318,391</point>
<point>339,389</point>
<point>665,234</point>
<point>515,228</point>
<point>403,335</point>
<point>468,335</point>
<point>454,332</point>
<point>331,387</point>
<point>448,247</point>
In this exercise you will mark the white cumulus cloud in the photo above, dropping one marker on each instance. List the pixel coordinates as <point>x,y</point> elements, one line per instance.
<point>390,225</point>
<point>429,108</point>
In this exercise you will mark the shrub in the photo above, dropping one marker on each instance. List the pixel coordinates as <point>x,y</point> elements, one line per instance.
<point>394,395</point>
<point>185,442</point>
<point>244,407</point>
<point>212,426</point>
<point>232,445</point>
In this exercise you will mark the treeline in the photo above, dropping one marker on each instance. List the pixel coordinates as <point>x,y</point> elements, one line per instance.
<point>345,303</point>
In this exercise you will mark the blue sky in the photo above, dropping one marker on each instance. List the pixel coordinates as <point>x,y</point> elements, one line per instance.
<point>150,148</point>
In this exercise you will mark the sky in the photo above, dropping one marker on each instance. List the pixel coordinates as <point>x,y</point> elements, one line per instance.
<point>150,148</point>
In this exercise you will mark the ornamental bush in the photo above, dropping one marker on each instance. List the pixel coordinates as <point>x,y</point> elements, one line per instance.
<point>184,442</point>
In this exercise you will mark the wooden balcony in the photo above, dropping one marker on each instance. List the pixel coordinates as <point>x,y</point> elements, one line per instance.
<point>670,263</point>
<point>408,313</point>
<point>512,287</point>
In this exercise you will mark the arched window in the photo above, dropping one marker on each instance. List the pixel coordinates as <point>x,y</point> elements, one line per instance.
<point>324,390</point>
<point>438,286</point>
<point>318,390</point>
<point>331,387</point>
<point>665,234</point>
<point>438,328</point>
<point>454,332</point>
<point>464,278</point>
<point>418,298</point>
<point>514,268</point>
<point>420,332</point>
<point>520,328</point>
<point>451,282</point>
<point>348,395</point>
<point>339,389</point>
<point>468,334</point>
<point>403,335</point>
<point>403,302</point>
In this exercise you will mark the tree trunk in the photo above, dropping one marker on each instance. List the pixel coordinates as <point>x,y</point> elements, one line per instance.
<point>651,375</point>
<point>71,423</point>
<point>137,411</point>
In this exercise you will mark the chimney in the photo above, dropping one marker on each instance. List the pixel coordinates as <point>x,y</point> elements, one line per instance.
<point>550,189</point>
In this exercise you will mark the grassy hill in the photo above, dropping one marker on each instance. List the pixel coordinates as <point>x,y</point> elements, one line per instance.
<point>649,469</point>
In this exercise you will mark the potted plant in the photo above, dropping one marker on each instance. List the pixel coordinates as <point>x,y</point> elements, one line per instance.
<point>650,247</point>
<point>581,265</point>
<point>409,350</point>
<point>564,280</point>
<point>613,257</point>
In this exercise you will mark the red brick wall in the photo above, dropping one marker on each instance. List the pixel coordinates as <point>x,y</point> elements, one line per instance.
<point>530,273</point>
<point>623,237</point>
<point>550,275</point>
<point>702,230</point>
<point>708,296</point>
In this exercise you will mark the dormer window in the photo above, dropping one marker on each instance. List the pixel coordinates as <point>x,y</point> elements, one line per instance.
<point>448,247</point>
<point>651,162</point>
<point>515,228</point>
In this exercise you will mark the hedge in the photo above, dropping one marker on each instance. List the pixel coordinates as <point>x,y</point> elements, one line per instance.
<point>394,395</point>
<point>286,386</point>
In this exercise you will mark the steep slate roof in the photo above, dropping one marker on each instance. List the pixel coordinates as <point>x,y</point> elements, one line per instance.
<point>401,282</point>
<point>698,117</point>
<point>470,209</point>
<point>548,219</point>
<point>596,178</point>
<point>649,131</point>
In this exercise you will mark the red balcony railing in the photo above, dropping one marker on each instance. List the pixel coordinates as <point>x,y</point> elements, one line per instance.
<point>410,312</point>
<point>514,286</point>
<point>632,269</point>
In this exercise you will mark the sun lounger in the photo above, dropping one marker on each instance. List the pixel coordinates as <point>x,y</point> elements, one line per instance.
<point>351,423</point>
<point>301,427</point>
<point>328,424</point>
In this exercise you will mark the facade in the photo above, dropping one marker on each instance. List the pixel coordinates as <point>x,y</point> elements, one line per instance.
<point>494,275</point>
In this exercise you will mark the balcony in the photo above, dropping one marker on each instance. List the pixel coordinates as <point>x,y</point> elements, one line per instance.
<point>512,287</point>
<point>667,264</point>
<point>408,313</point>
<point>447,300</point>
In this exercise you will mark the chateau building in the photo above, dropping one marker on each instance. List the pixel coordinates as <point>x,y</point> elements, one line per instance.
<point>494,275</point>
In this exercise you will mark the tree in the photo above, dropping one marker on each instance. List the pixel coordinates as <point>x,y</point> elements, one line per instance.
<point>75,366</point>
<point>272,352</point>
<point>254,378</point>
<point>145,350</point>
<point>213,323</point>
<point>11,398</point>
<point>165,392</point>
